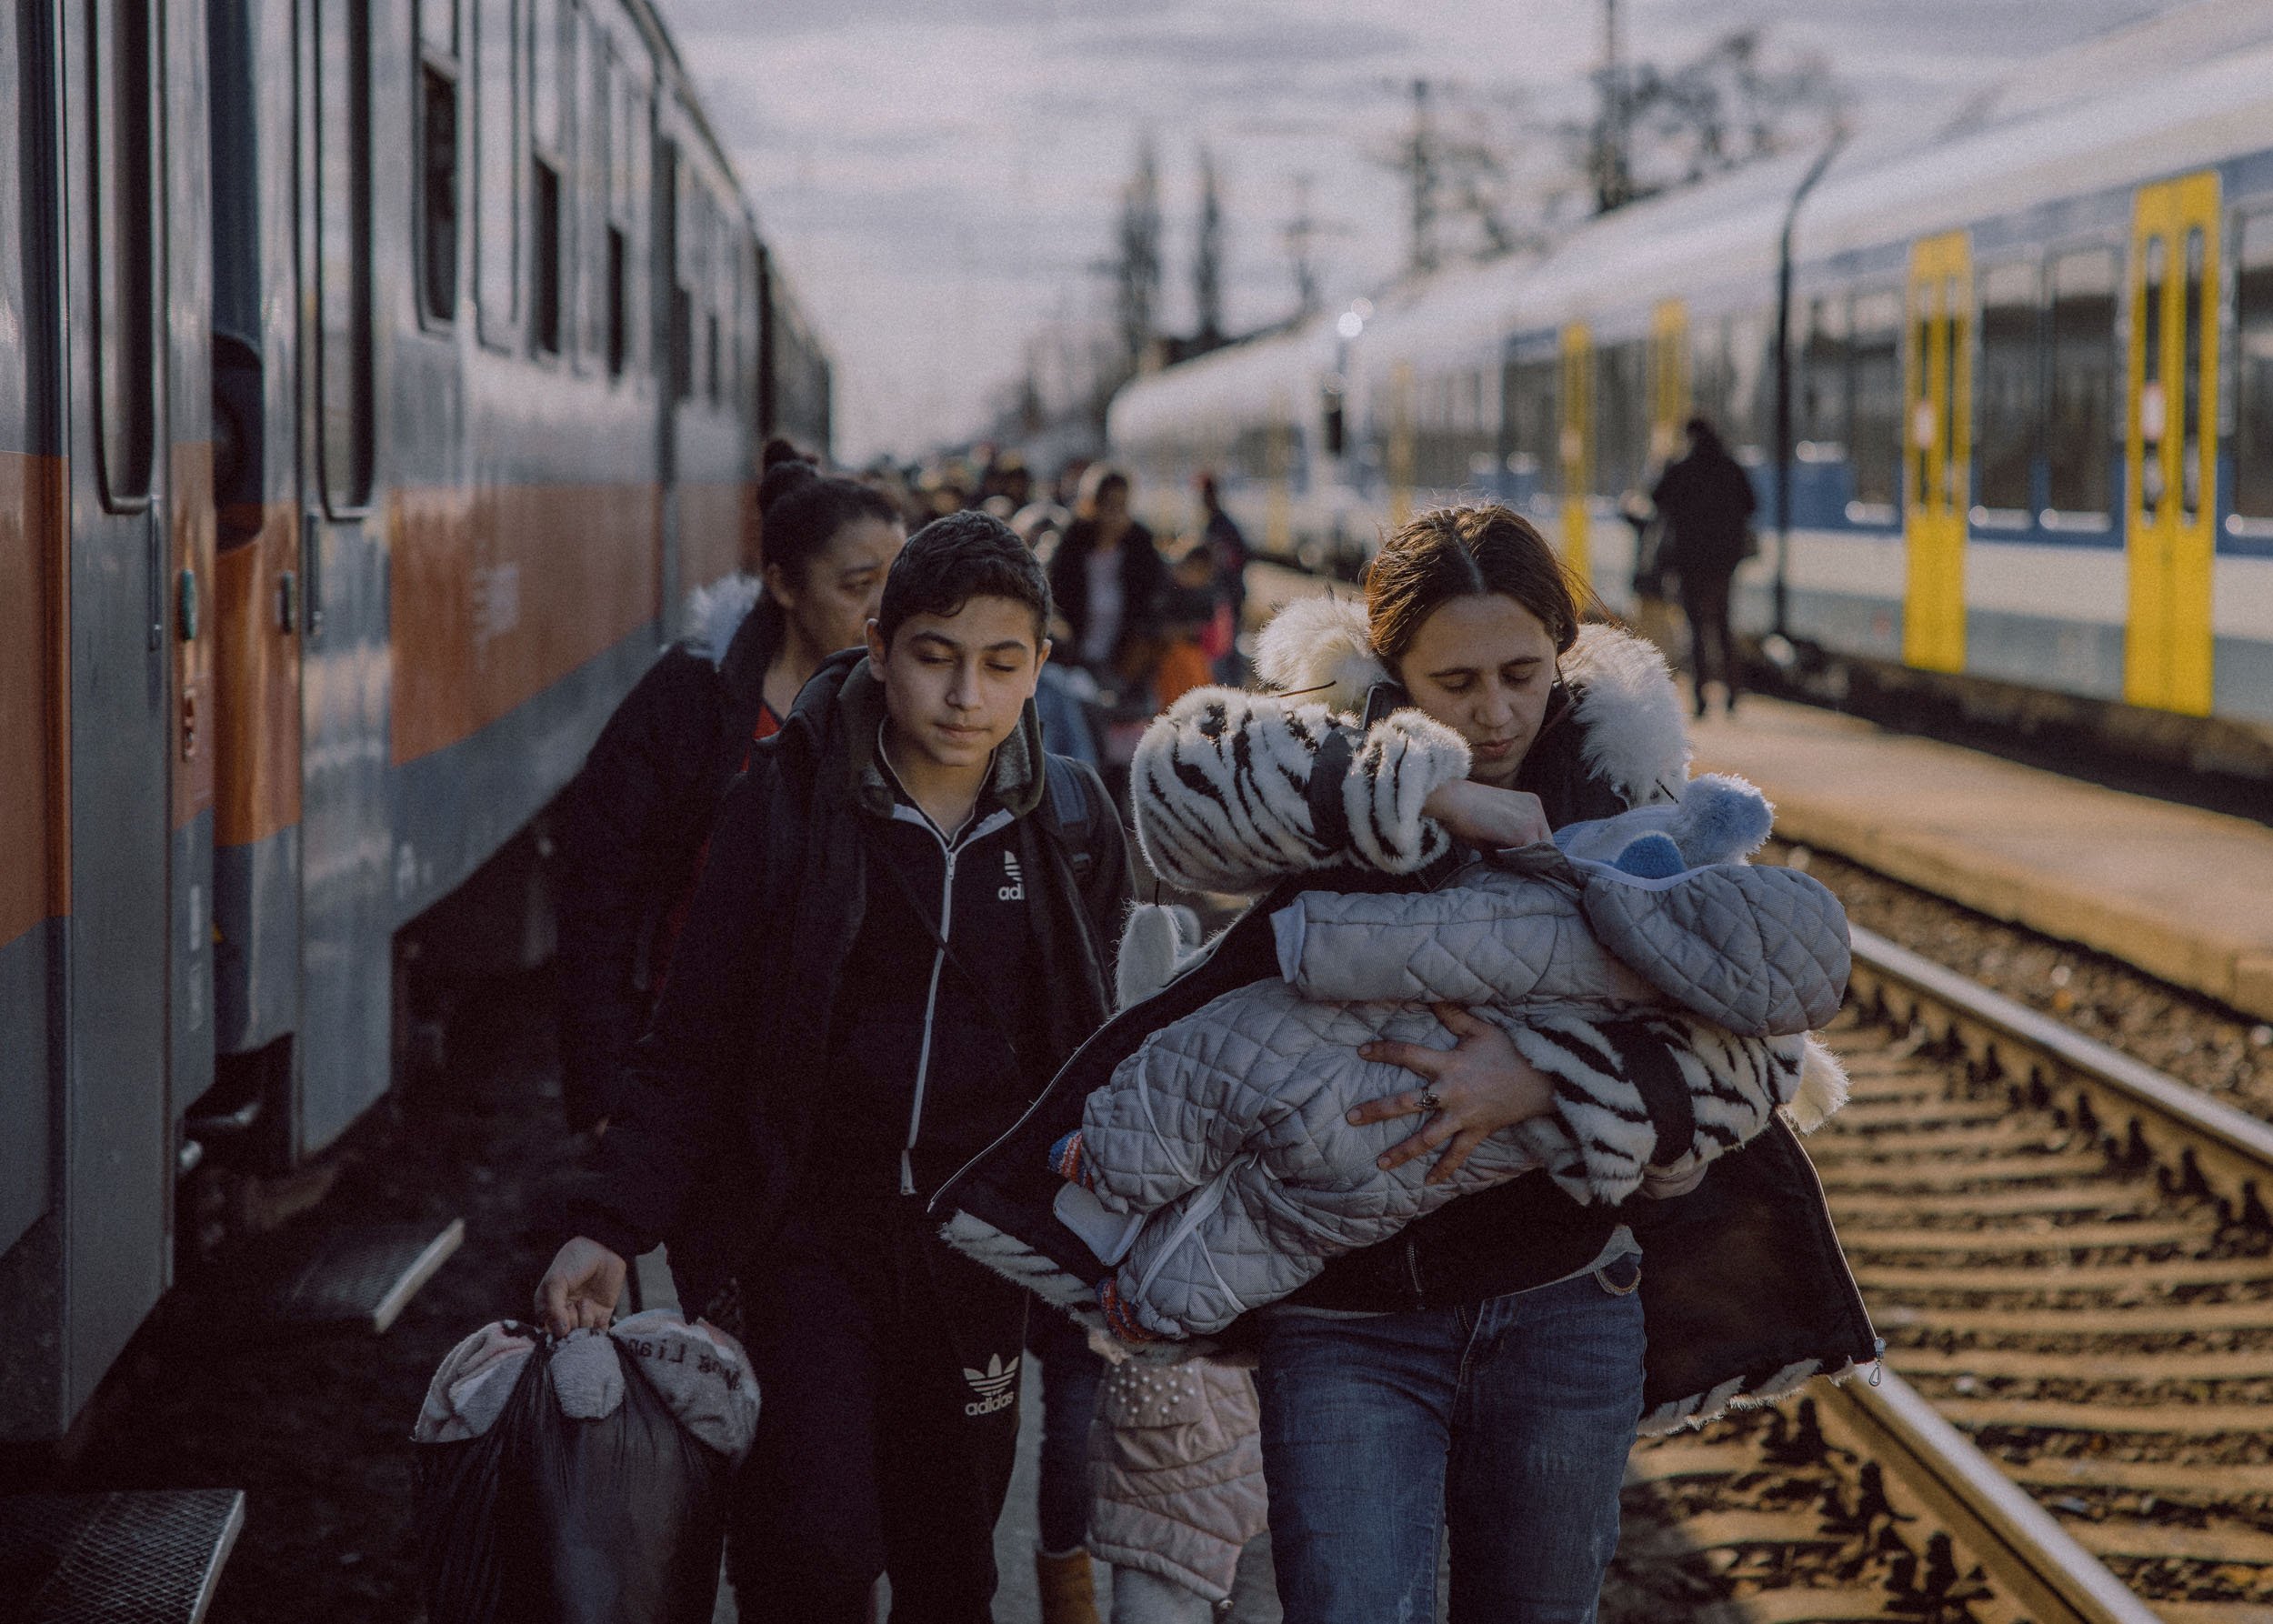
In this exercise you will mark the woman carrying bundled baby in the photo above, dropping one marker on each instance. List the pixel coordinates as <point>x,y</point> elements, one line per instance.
<point>1478,1366</point>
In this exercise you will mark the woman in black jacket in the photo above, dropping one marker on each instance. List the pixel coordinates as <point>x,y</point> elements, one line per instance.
<point>1483,1372</point>
<point>630,828</point>
<point>1707,503</point>
<point>1107,582</point>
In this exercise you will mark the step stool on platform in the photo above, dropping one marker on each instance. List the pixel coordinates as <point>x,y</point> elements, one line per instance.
<point>140,1558</point>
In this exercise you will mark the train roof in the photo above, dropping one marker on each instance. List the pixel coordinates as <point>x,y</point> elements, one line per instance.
<point>1241,377</point>
<point>2154,47</point>
<point>2175,110</point>
<point>672,67</point>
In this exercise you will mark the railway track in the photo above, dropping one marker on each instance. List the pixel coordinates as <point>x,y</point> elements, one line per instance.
<point>2068,1253</point>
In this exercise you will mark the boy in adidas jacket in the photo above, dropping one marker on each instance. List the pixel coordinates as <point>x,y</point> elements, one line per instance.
<point>899,936</point>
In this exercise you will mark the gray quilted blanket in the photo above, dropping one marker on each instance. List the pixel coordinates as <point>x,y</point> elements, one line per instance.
<point>1226,1132</point>
<point>1763,951</point>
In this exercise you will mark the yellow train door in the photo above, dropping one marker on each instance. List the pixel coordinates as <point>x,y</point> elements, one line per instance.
<point>2171,456</point>
<point>1577,445</point>
<point>1669,381</point>
<point>1939,459</point>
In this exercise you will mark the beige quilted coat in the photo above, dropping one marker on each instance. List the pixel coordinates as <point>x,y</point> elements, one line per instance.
<point>1176,1467</point>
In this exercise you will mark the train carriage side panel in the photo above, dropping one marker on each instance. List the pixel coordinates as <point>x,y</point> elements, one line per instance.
<point>348,68</point>
<point>527,554</point>
<point>80,1280</point>
<point>2242,566</point>
<point>187,300</point>
<point>713,452</point>
<point>34,740</point>
<point>254,599</point>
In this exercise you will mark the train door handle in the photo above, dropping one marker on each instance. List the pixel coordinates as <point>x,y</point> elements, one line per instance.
<point>312,574</point>
<point>154,567</point>
<point>288,601</point>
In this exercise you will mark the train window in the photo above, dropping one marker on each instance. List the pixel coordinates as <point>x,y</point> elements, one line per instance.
<point>1709,371</point>
<point>1621,416</point>
<point>2080,423</point>
<point>548,224</point>
<point>1821,420</point>
<point>618,308</point>
<point>616,206</point>
<point>545,248</point>
<point>2253,358</point>
<point>595,127</point>
<point>1541,440</point>
<point>1750,401</point>
<point>1953,361</point>
<point>2154,400</point>
<point>437,186</point>
<point>1875,425</point>
<point>496,112</point>
<point>2191,349</point>
<point>1920,436</point>
<point>343,135</point>
<point>2006,395</point>
<point>543,17</point>
<point>124,253</point>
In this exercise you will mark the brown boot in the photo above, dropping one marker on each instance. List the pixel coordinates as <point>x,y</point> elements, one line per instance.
<point>1068,1594</point>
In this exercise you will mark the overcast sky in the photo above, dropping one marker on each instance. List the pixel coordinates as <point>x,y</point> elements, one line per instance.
<point>941,176</point>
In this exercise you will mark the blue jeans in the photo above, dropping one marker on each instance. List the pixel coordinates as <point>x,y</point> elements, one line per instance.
<point>1506,1423</point>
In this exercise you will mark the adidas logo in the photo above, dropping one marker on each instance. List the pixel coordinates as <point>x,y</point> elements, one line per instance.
<point>1014,891</point>
<point>996,1385</point>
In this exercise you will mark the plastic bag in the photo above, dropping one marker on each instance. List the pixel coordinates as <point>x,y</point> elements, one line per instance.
<point>548,1518</point>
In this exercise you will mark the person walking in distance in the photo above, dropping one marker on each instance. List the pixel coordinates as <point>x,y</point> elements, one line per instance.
<point>898,936</point>
<point>1707,502</point>
<point>1107,579</point>
<point>1227,547</point>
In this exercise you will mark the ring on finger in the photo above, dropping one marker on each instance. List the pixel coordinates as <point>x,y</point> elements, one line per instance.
<point>1428,1101</point>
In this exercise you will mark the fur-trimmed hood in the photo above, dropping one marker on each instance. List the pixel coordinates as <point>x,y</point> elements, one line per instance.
<point>1621,692</point>
<point>716,612</point>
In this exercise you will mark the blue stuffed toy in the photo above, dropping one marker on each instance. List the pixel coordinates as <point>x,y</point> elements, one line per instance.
<point>1718,819</point>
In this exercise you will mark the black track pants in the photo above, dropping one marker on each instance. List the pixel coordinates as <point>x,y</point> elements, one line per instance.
<point>888,1370</point>
<point>1712,652</point>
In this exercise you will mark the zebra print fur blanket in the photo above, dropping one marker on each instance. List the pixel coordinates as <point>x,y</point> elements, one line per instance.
<point>1228,794</point>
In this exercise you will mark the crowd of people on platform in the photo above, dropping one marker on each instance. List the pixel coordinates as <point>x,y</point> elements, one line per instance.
<point>851,931</point>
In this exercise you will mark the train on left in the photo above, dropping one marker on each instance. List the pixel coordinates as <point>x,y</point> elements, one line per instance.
<point>375,378</point>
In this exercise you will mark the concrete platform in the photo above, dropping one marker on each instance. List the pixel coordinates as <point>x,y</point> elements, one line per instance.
<point>2184,895</point>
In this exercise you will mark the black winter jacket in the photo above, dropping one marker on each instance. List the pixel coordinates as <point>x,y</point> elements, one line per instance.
<point>629,827</point>
<point>1144,585</point>
<point>1706,501</point>
<point>727,1093</point>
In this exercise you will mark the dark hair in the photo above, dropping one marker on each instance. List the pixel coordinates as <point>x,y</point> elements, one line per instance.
<point>1461,552</point>
<point>805,516</point>
<point>955,559</point>
<point>803,509</point>
<point>778,451</point>
<point>782,477</point>
<point>1097,479</point>
<point>1705,437</point>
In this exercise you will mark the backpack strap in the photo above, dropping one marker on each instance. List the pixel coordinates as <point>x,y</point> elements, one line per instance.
<point>1074,809</point>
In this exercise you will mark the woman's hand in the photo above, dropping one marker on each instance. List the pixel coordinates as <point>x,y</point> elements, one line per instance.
<point>1480,1086</point>
<point>1489,819</point>
<point>579,1290</point>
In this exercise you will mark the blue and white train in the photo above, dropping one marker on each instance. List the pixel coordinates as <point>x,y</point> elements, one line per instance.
<point>2024,389</point>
